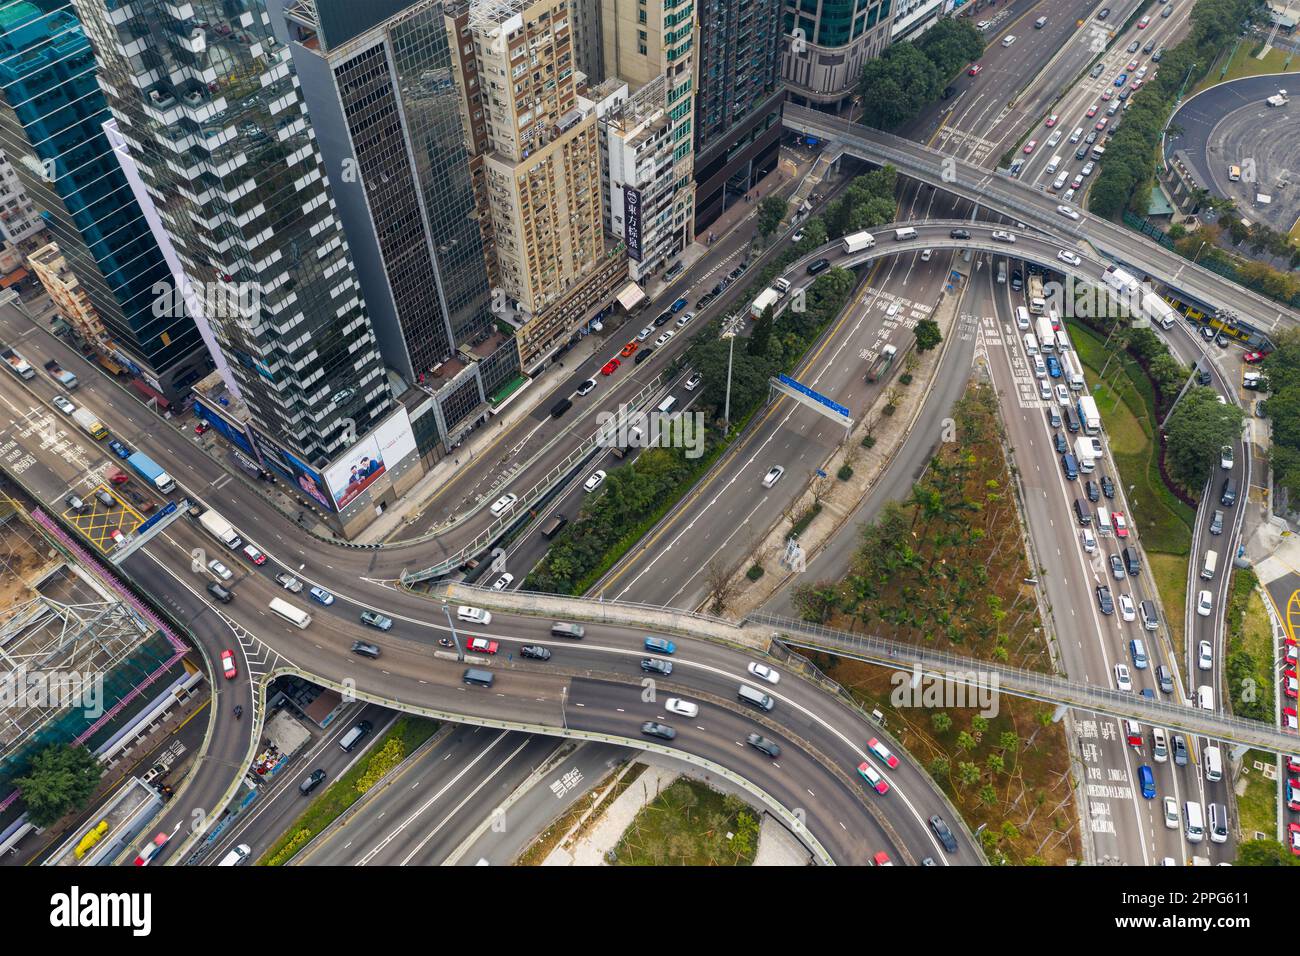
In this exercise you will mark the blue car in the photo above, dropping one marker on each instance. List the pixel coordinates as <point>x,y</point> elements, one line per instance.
<point>1121,79</point>
<point>659,645</point>
<point>679,305</point>
<point>1148,782</point>
<point>120,450</point>
<point>1053,367</point>
<point>321,596</point>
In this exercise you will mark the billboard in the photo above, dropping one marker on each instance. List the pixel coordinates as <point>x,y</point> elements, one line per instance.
<point>308,479</point>
<point>353,472</point>
<point>632,222</point>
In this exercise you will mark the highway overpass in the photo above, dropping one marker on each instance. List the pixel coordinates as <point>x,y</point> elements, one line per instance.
<point>1002,193</point>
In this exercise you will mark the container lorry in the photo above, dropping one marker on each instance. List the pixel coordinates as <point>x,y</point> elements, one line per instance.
<point>882,363</point>
<point>221,529</point>
<point>149,470</point>
<point>1089,414</point>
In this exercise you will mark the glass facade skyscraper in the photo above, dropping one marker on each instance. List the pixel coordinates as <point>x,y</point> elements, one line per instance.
<point>51,127</point>
<point>204,95</point>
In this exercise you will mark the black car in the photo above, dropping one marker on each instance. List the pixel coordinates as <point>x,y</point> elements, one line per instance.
<point>1061,445</point>
<point>1053,416</point>
<point>1221,341</point>
<point>313,781</point>
<point>1165,678</point>
<point>1107,486</point>
<point>663,317</point>
<point>642,355</point>
<point>1216,523</point>
<point>704,301</point>
<point>717,289</point>
<point>1203,377</point>
<point>940,828</point>
<point>1134,46</point>
<point>763,745</point>
<point>958,234</point>
<point>1103,13</point>
<point>662,731</point>
<point>1104,600</point>
<point>1094,493</point>
<point>1017,280</point>
<point>1081,152</point>
<point>653,665</point>
<point>535,652</point>
<point>821,265</point>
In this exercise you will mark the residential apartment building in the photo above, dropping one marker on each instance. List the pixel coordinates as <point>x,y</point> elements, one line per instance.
<point>52,116</point>
<point>535,163</point>
<point>19,220</point>
<point>914,17</point>
<point>68,294</point>
<point>828,41</point>
<point>738,101</point>
<point>205,99</point>
<point>377,81</point>
<point>648,142</point>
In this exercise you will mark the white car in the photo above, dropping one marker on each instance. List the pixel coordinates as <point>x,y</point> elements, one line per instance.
<point>1067,212</point>
<point>587,387</point>
<point>1089,540</point>
<point>1062,396</point>
<point>1088,167</point>
<point>685,317</point>
<point>1225,458</point>
<point>1068,196</point>
<point>644,333</point>
<point>664,338</point>
<point>675,705</point>
<point>1069,258</point>
<point>1171,813</point>
<point>1204,656</point>
<point>894,309</point>
<point>797,236</point>
<point>926,254</point>
<point>503,582</point>
<point>773,476</point>
<point>764,672</point>
<point>1204,603</point>
<point>594,482</point>
<point>1044,390</point>
<point>693,382</point>
<point>220,570</point>
<point>1126,608</point>
<point>503,503</point>
<point>1001,235</point>
<point>63,405</point>
<point>1122,679</point>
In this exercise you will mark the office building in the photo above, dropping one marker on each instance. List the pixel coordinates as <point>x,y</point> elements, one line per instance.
<point>914,17</point>
<point>210,110</point>
<point>19,220</point>
<point>738,103</point>
<point>52,115</point>
<point>377,82</point>
<point>535,162</point>
<point>648,146</point>
<point>827,44</point>
<point>588,46</point>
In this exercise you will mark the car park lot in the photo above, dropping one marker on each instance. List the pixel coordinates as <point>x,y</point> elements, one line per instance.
<point>99,523</point>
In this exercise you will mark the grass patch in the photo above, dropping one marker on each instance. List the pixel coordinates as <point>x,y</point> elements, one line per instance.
<point>688,825</point>
<point>1249,670</point>
<point>1257,805</point>
<point>1242,62</point>
<point>1127,405</point>
<point>1170,574</point>
<point>550,838</point>
<point>402,739</point>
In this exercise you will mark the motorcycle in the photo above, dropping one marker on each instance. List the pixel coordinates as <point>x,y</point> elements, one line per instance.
<point>445,642</point>
<point>239,711</point>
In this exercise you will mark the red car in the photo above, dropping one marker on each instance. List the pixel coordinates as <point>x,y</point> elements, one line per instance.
<point>1293,795</point>
<point>1291,651</point>
<point>254,554</point>
<point>1101,124</point>
<point>151,849</point>
<point>117,476</point>
<point>1142,24</point>
<point>1289,722</point>
<point>1252,358</point>
<point>1120,523</point>
<point>1290,686</point>
<point>1092,110</point>
<point>1293,763</point>
<point>1293,837</point>
<point>1029,146</point>
<point>629,349</point>
<point>872,776</point>
<point>1107,94</point>
<point>882,859</point>
<point>1051,120</point>
<point>883,752</point>
<point>482,645</point>
<point>609,367</point>
<point>228,665</point>
<point>975,70</point>
<point>201,427</point>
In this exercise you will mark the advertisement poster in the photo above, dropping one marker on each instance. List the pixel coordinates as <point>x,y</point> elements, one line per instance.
<point>349,476</point>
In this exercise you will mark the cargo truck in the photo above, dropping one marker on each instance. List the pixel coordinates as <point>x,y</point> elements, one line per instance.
<point>857,241</point>
<point>1278,99</point>
<point>1120,281</point>
<point>1072,370</point>
<point>1046,337</point>
<point>882,363</point>
<point>1158,310</point>
<point>1085,453</point>
<point>1089,414</point>
<point>17,364</point>
<point>1037,304</point>
<point>66,379</point>
<point>91,425</point>
<point>765,298</point>
<point>148,469</point>
<point>221,529</point>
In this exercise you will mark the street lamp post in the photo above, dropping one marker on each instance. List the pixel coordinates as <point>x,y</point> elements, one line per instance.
<point>726,413</point>
<point>454,639</point>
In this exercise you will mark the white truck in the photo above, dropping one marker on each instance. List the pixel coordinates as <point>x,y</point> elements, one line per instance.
<point>857,241</point>
<point>1158,310</point>
<point>221,529</point>
<point>1046,335</point>
<point>1278,99</point>
<point>1072,370</point>
<point>1089,414</point>
<point>768,296</point>
<point>1037,304</point>
<point>1085,453</point>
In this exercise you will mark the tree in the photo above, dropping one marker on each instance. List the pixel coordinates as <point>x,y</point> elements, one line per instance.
<point>60,779</point>
<point>1196,431</point>
<point>1168,373</point>
<point>761,336</point>
<point>770,213</point>
<point>720,584</point>
<point>1264,853</point>
<point>941,722</point>
<point>927,335</point>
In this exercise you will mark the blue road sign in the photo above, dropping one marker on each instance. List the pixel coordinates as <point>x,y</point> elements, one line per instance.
<point>815,396</point>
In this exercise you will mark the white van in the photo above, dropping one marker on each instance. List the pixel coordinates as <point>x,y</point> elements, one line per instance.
<point>1213,764</point>
<point>502,503</point>
<point>1103,521</point>
<point>1053,165</point>
<point>1022,319</point>
<point>1159,745</point>
<point>474,615</point>
<point>1211,562</point>
<point>1031,344</point>
<point>1077,134</point>
<point>907,232</point>
<point>236,856</point>
<point>1009,39</point>
<point>1205,697</point>
<point>1059,182</point>
<point>1218,823</point>
<point>1194,821</point>
<point>1098,152</point>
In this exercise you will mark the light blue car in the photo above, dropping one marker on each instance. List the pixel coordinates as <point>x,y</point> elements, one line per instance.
<point>321,596</point>
<point>659,645</point>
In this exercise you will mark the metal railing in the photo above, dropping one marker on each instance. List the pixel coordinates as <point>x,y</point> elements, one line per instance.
<point>1023,683</point>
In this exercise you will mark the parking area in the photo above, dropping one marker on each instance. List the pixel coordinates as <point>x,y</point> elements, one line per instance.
<point>102,524</point>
